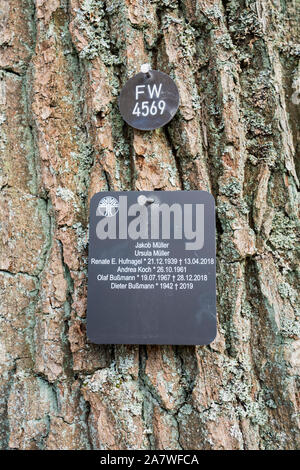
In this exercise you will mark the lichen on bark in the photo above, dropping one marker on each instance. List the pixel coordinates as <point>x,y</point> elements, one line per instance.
<point>236,134</point>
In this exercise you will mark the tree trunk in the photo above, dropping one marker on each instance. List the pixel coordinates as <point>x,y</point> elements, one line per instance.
<point>63,63</point>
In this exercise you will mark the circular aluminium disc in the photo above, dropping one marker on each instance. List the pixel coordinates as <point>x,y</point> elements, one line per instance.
<point>149,101</point>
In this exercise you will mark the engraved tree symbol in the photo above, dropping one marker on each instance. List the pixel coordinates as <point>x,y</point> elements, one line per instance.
<point>108,206</point>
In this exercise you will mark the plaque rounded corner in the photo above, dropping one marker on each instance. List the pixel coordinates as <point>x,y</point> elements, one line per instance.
<point>90,337</point>
<point>209,341</point>
<point>209,197</point>
<point>94,198</point>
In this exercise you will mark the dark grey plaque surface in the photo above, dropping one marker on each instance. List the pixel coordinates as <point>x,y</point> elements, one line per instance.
<point>151,274</point>
<point>149,101</point>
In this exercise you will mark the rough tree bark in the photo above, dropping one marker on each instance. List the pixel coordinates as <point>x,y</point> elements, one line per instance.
<point>236,64</point>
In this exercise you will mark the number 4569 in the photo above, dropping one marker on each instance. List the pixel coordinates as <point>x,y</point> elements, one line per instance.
<point>146,109</point>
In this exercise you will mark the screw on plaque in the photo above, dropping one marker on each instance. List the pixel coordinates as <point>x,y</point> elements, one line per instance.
<point>144,200</point>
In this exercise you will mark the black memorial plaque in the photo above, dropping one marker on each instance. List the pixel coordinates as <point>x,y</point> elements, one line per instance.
<point>149,101</point>
<point>152,268</point>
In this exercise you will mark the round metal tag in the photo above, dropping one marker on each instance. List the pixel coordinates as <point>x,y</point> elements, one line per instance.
<point>149,100</point>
